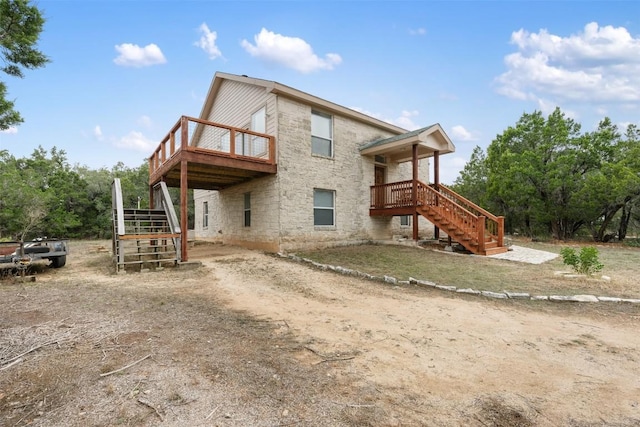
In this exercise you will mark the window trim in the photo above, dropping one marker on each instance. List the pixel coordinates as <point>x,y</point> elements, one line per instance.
<point>332,208</point>
<point>330,139</point>
<point>205,215</point>
<point>408,224</point>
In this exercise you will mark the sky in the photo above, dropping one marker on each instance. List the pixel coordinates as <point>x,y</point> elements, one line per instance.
<point>123,72</point>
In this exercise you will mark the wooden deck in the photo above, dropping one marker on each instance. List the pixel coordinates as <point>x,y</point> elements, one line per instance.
<point>225,156</point>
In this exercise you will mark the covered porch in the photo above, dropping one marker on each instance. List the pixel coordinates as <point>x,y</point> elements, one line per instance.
<point>465,222</point>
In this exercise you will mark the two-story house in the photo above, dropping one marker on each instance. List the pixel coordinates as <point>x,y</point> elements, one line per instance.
<point>278,169</point>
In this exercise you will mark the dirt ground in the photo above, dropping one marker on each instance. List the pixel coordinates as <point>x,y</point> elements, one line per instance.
<point>250,339</point>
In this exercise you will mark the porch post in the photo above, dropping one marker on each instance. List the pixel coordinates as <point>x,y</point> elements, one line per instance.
<point>184,185</point>
<point>414,190</point>
<point>436,182</point>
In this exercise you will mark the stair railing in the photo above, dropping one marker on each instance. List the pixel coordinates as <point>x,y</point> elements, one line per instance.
<point>465,220</point>
<point>163,201</point>
<point>117,213</point>
<point>494,225</point>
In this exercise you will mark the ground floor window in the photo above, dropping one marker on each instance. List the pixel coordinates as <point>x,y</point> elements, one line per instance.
<point>247,209</point>
<point>205,214</point>
<point>405,220</point>
<point>324,207</point>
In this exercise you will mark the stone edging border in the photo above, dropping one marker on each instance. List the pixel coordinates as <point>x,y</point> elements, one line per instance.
<point>489,294</point>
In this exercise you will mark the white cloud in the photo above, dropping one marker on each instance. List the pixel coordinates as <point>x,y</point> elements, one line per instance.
<point>11,129</point>
<point>547,107</point>
<point>598,64</point>
<point>404,121</point>
<point>136,141</point>
<point>207,42</point>
<point>450,167</point>
<point>418,32</point>
<point>145,121</point>
<point>97,132</point>
<point>291,52</point>
<point>132,55</point>
<point>459,132</point>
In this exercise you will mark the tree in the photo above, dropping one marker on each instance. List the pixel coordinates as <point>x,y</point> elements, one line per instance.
<point>20,28</point>
<point>472,181</point>
<point>23,204</point>
<point>547,177</point>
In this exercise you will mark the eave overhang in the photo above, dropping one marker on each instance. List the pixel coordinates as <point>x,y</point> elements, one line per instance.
<point>399,148</point>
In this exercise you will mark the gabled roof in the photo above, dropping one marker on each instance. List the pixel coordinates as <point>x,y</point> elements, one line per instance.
<point>295,94</point>
<point>399,148</point>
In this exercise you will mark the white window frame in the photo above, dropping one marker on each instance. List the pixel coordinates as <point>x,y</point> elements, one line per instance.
<point>205,215</point>
<point>407,219</point>
<point>332,208</point>
<point>246,216</point>
<point>324,137</point>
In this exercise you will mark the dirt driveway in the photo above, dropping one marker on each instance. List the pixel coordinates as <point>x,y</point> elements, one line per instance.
<point>254,340</point>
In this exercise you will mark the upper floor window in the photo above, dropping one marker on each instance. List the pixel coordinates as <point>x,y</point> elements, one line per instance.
<point>321,134</point>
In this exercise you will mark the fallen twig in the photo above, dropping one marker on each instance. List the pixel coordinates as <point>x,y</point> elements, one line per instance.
<point>125,367</point>
<point>335,359</point>
<point>148,404</point>
<point>211,413</point>
<point>27,352</point>
<point>353,405</point>
<point>7,366</point>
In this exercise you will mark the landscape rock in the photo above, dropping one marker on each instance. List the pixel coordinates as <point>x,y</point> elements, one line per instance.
<point>468,291</point>
<point>585,298</point>
<point>631,300</point>
<point>609,299</point>
<point>540,298</point>
<point>446,288</point>
<point>426,283</point>
<point>391,280</point>
<point>490,294</point>
<point>517,295</point>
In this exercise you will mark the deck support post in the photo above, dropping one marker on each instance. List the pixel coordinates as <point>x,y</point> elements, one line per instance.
<point>436,182</point>
<point>184,186</point>
<point>414,190</point>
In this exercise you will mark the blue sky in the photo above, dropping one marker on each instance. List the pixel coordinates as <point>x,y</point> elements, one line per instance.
<point>123,72</point>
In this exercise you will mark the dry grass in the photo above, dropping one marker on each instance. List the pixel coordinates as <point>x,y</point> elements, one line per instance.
<point>463,271</point>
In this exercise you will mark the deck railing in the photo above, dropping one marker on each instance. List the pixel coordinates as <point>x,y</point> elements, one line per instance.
<point>393,195</point>
<point>466,215</point>
<point>213,138</point>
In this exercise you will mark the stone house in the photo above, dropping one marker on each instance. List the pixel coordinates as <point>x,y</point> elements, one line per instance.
<point>278,169</point>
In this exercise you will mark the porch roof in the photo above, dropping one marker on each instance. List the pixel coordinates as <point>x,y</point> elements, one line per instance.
<point>398,148</point>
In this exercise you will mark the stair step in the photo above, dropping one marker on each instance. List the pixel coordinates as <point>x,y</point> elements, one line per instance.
<point>496,250</point>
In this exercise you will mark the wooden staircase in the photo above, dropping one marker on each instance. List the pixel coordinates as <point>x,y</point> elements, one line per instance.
<point>143,238</point>
<point>478,230</point>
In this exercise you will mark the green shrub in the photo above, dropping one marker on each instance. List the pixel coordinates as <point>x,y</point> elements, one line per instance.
<point>586,262</point>
<point>634,243</point>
